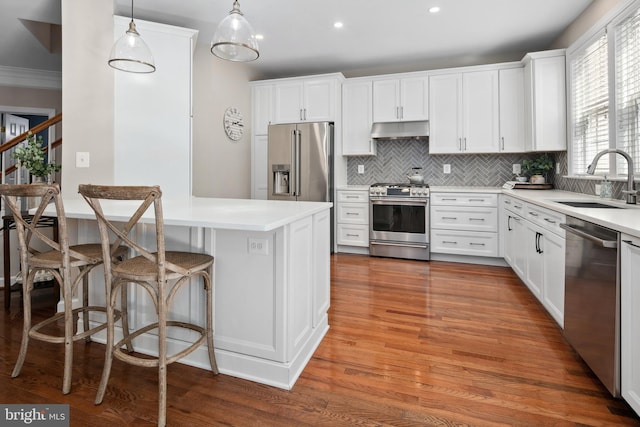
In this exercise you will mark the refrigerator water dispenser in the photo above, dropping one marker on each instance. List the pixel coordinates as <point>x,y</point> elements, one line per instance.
<point>281,179</point>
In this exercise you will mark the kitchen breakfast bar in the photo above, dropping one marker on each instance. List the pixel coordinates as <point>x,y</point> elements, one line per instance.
<point>271,280</point>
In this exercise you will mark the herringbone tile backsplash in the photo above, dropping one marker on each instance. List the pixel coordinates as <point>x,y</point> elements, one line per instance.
<point>396,158</point>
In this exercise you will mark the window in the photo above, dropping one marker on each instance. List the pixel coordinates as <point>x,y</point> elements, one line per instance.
<point>590,105</point>
<point>627,59</point>
<point>605,97</point>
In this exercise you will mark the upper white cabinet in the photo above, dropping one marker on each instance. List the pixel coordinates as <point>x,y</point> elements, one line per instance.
<point>545,101</point>
<point>401,98</point>
<point>311,99</point>
<point>357,118</point>
<point>464,112</point>
<point>261,107</point>
<point>511,110</point>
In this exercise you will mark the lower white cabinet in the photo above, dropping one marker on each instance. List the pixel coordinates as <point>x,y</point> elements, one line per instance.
<point>353,218</point>
<point>535,250</point>
<point>630,320</point>
<point>464,224</point>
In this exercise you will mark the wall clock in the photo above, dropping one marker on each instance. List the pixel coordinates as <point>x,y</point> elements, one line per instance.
<point>233,124</point>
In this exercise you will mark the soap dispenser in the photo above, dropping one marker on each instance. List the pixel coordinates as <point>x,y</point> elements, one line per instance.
<point>606,188</point>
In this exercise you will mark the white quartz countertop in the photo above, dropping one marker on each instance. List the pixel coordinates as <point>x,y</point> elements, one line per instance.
<point>626,219</point>
<point>226,214</point>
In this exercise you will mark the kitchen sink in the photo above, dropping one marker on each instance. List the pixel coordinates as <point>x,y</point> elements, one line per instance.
<point>587,204</point>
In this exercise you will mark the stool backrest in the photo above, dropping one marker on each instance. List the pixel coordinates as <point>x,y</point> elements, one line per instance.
<point>122,229</point>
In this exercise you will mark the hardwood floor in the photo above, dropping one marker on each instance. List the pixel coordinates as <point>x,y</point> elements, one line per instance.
<point>411,344</point>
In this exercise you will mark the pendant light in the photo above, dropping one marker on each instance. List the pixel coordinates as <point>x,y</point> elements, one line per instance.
<point>130,53</point>
<point>234,39</point>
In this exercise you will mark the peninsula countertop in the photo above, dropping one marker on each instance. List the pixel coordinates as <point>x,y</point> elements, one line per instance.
<point>218,213</point>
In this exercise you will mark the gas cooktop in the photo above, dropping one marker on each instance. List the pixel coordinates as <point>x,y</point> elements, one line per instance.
<point>404,189</point>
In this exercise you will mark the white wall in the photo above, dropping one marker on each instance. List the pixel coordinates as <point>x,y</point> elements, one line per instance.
<point>87,92</point>
<point>221,168</point>
<point>584,22</point>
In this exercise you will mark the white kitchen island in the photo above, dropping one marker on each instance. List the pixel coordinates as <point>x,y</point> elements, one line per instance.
<point>271,285</point>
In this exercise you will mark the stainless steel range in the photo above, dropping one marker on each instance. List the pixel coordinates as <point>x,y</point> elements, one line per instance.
<point>399,220</point>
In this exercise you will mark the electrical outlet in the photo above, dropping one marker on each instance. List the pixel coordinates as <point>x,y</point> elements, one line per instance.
<point>517,169</point>
<point>446,168</point>
<point>82,159</point>
<point>258,246</point>
<point>360,169</point>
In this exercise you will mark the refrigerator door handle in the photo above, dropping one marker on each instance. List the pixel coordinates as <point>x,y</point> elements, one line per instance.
<point>298,154</point>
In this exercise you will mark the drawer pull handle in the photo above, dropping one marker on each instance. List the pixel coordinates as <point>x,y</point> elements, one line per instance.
<point>352,197</point>
<point>476,219</point>
<point>353,235</point>
<point>449,200</point>
<point>353,213</point>
<point>446,242</point>
<point>550,221</point>
<point>533,214</point>
<point>517,207</point>
<point>507,202</point>
<point>476,200</point>
<point>450,217</point>
<point>476,244</point>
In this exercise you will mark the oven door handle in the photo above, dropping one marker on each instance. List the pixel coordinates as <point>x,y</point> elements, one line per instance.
<point>405,202</point>
<point>373,242</point>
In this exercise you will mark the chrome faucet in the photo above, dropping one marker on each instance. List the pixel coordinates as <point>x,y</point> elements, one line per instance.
<point>630,193</point>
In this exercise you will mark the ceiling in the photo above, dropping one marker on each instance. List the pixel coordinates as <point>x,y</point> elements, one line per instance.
<point>378,36</point>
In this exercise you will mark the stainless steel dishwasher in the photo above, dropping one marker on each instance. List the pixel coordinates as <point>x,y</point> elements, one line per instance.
<point>592,298</point>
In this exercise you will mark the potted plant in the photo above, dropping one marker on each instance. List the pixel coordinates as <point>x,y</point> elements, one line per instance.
<point>32,157</point>
<point>538,168</point>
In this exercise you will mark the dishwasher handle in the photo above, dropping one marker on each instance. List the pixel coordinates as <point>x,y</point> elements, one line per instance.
<point>598,241</point>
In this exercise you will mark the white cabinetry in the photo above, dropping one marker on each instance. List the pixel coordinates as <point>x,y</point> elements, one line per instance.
<point>464,112</point>
<point>535,249</point>
<point>630,321</point>
<point>511,110</point>
<point>143,106</point>
<point>545,101</point>
<point>357,118</point>
<point>401,98</point>
<point>464,224</point>
<point>262,116</point>
<point>309,99</point>
<point>353,218</point>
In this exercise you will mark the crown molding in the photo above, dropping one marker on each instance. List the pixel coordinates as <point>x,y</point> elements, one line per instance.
<point>31,78</point>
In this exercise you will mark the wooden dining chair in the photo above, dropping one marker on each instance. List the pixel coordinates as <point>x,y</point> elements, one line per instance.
<point>39,253</point>
<point>159,272</point>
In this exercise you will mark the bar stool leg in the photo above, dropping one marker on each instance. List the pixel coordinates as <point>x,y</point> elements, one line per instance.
<point>108,357</point>
<point>68,333</point>
<point>162,357</point>
<point>26,324</point>
<point>207,280</point>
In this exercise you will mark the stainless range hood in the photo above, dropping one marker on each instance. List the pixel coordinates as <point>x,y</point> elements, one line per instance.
<point>400,130</point>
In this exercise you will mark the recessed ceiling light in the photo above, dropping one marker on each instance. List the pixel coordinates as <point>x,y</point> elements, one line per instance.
<point>259,37</point>
<point>337,25</point>
<point>434,9</point>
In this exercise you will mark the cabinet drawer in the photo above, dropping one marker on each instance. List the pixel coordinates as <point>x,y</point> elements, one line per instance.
<point>514,205</point>
<point>353,235</point>
<point>464,243</point>
<point>464,199</point>
<point>464,218</point>
<point>545,218</point>
<point>353,196</point>
<point>353,213</point>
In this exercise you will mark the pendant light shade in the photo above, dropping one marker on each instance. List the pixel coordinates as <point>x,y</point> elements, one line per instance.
<point>130,53</point>
<point>234,39</point>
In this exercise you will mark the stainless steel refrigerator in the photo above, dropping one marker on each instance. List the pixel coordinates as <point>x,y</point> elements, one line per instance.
<point>300,157</point>
<point>300,163</point>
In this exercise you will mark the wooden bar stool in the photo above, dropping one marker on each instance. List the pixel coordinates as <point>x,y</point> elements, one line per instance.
<point>58,258</point>
<point>161,273</point>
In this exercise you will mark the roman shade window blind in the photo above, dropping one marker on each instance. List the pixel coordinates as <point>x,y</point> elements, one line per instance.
<point>605,97</point>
